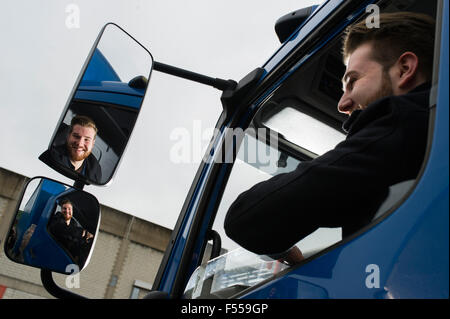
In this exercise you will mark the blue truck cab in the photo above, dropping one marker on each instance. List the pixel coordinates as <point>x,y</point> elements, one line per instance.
<point>101,83</point>
<point>402,253</point>
<point>43,250</point>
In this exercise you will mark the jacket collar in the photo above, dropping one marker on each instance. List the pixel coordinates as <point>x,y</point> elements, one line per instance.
<point>346,126</point>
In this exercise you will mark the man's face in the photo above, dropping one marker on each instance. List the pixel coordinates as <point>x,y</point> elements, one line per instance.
<point>66,211</point>
<point>364,82</point>
<point>80,142</point>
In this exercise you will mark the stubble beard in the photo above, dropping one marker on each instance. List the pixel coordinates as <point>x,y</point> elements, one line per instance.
<point>74,156</point>
<point>385,90</point>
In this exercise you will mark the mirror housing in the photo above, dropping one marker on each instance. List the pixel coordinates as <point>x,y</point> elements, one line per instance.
<point>41,237</point>
<point>287,24</point>
<point>96,124</point>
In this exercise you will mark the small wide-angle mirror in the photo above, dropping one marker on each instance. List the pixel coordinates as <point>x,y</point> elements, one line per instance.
<point>55,227</point>
<point>95,126</point>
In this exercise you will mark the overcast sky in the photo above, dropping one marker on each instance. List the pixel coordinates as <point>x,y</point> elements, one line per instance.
<point>44,47</point>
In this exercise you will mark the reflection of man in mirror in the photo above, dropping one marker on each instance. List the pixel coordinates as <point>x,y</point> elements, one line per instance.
<point>76,152</point>
<point>81,140</point>
<point>69,233</point>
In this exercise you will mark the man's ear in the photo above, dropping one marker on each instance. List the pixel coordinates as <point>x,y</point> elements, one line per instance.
<point>407,70</point>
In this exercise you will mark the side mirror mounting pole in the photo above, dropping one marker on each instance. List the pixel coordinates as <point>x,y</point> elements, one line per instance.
<point>232,91</point>
<point>220,84</point>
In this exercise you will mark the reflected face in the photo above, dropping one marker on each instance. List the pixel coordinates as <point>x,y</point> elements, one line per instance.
<point>66,211</point>
<point>364,82</point>
<point>80,142</point>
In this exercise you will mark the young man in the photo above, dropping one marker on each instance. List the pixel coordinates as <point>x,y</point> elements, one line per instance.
<point>70,235</point>
<point>76,153</point>
<point>386,95</point>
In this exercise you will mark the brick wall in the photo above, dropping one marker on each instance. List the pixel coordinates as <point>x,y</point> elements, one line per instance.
<point>141,263</point>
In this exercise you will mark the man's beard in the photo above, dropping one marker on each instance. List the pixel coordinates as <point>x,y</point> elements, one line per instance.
<point>74,156</point>
<point>385,91</point>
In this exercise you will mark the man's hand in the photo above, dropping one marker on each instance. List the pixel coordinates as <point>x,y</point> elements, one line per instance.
<point>87,234</point>
<point>293,256</point>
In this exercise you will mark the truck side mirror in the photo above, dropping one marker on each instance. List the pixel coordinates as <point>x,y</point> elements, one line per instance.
<point>96,124</point>
<point>55,227</point>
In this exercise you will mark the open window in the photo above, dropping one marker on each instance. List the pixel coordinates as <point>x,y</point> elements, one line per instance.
<point>301,116</point>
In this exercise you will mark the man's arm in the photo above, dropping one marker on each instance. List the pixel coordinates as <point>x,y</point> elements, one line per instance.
<point>274,215</point>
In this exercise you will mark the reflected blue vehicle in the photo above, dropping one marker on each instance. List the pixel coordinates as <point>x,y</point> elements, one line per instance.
<point>32,222</point>
<point>102,84</point>
<point>99,69</point>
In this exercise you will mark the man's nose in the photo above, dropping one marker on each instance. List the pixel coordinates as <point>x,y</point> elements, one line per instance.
<point>345,104</point>
<point>79,142</point>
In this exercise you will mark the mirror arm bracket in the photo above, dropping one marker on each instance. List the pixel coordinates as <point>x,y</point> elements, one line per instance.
<point>231,99</point>
<point>78,184</point>
<point>221,84</point>
<point>56,291</point>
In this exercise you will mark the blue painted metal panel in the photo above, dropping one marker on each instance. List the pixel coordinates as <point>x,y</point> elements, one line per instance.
<point>131,101</point>
<point>99,69</point>
<point>118,93</point>
<point>110,86</point>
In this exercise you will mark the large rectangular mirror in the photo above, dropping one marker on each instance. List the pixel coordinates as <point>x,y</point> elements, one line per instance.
<point>96,124</point>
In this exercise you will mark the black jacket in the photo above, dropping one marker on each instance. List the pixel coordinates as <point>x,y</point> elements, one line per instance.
<point>342,188</point>
<point>58,155</point>
<point>69,236</point>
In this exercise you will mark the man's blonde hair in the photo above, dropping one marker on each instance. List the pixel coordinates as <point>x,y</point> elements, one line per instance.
<point>83,121</point>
